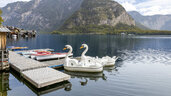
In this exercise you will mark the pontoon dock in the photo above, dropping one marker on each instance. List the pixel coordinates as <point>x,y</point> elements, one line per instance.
<point>37,73</point>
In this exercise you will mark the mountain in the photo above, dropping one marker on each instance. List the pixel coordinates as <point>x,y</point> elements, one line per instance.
<point>156,22</point>
<point>49,15</point>
<point>141,26</point>
<point>96,14</point>
<point>39,14</point>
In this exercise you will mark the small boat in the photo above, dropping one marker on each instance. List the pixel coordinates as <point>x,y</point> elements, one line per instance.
<point>13,48</point>
<point>80,66</point>
<point>14,36</point>
<point>3,61</point>
<point>26,36</point>
<point>43,50</point>
<point>48,56</point>
<point>40,53</point>
<point>28,53</point>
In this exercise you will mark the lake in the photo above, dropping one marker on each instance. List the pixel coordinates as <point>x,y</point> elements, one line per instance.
<point>144,68</point>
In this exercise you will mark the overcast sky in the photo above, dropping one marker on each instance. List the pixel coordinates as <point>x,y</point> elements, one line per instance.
<point>5,2</point>
<point>145,7</point>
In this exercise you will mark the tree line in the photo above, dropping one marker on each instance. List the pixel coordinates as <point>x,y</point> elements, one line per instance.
<point>1,20</point>
<point>106,29</point>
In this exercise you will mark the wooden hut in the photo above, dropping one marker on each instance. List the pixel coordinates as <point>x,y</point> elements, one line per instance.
<point>3,52</point>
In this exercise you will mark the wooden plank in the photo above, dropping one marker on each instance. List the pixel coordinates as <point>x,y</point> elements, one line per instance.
<point>44,76</point>
<point>21,63</point>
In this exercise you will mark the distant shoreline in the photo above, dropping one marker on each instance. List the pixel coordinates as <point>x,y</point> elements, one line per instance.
<point>119,32</point>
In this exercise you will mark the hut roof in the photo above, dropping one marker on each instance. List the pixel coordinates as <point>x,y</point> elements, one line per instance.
<point>4,29</point>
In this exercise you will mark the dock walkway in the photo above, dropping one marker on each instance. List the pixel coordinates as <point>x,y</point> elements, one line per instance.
<point>37,73</point>
<point>21,63</point>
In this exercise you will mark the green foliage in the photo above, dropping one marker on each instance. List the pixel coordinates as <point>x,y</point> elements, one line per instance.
<point>106,29</point>
<point>1,20</point>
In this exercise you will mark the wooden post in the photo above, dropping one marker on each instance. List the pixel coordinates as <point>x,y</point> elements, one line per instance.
<point>2,41</point>
<point>4,64</point>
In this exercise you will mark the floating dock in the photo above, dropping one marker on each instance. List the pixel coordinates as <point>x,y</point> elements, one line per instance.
<point>66,85</point>
<point>49,63</point>
<point>42,77</point>
<point>37,73</point>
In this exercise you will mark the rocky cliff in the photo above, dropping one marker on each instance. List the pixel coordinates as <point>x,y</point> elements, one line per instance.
<point>99,12</point>
<point>49,15</point>
<point>39,14</point>
<point>157,22</point>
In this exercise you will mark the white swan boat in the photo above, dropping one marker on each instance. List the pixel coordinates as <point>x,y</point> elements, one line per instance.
<point>80,66</point>
<point>105,61</point>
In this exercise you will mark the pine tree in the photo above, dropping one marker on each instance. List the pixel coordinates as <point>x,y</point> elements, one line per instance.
<point>1,20</point>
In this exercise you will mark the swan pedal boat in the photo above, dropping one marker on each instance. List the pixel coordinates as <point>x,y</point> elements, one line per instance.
<point>83,68</point>
<point>105,61</point>
<point>80,66</point>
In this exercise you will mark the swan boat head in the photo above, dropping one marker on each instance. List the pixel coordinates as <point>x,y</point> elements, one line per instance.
<point>68,61</point>
<point>83,57</point>
<point>84,46</point>
<point>70,49</point>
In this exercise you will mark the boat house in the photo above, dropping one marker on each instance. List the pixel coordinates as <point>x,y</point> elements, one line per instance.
<point>3,52</point>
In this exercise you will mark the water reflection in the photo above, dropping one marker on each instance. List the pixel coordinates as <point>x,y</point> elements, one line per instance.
<point>146,56</point>
<point>4,83</point>
<point>141,71</point>
<point>84,77</point>
<point>17,41</point>
<point>99,45</point>
<point>111,68</point>
<point>83,83</point>
<point>66,85</point>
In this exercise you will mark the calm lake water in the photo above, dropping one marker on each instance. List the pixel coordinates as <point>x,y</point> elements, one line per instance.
<point>145,68</point>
